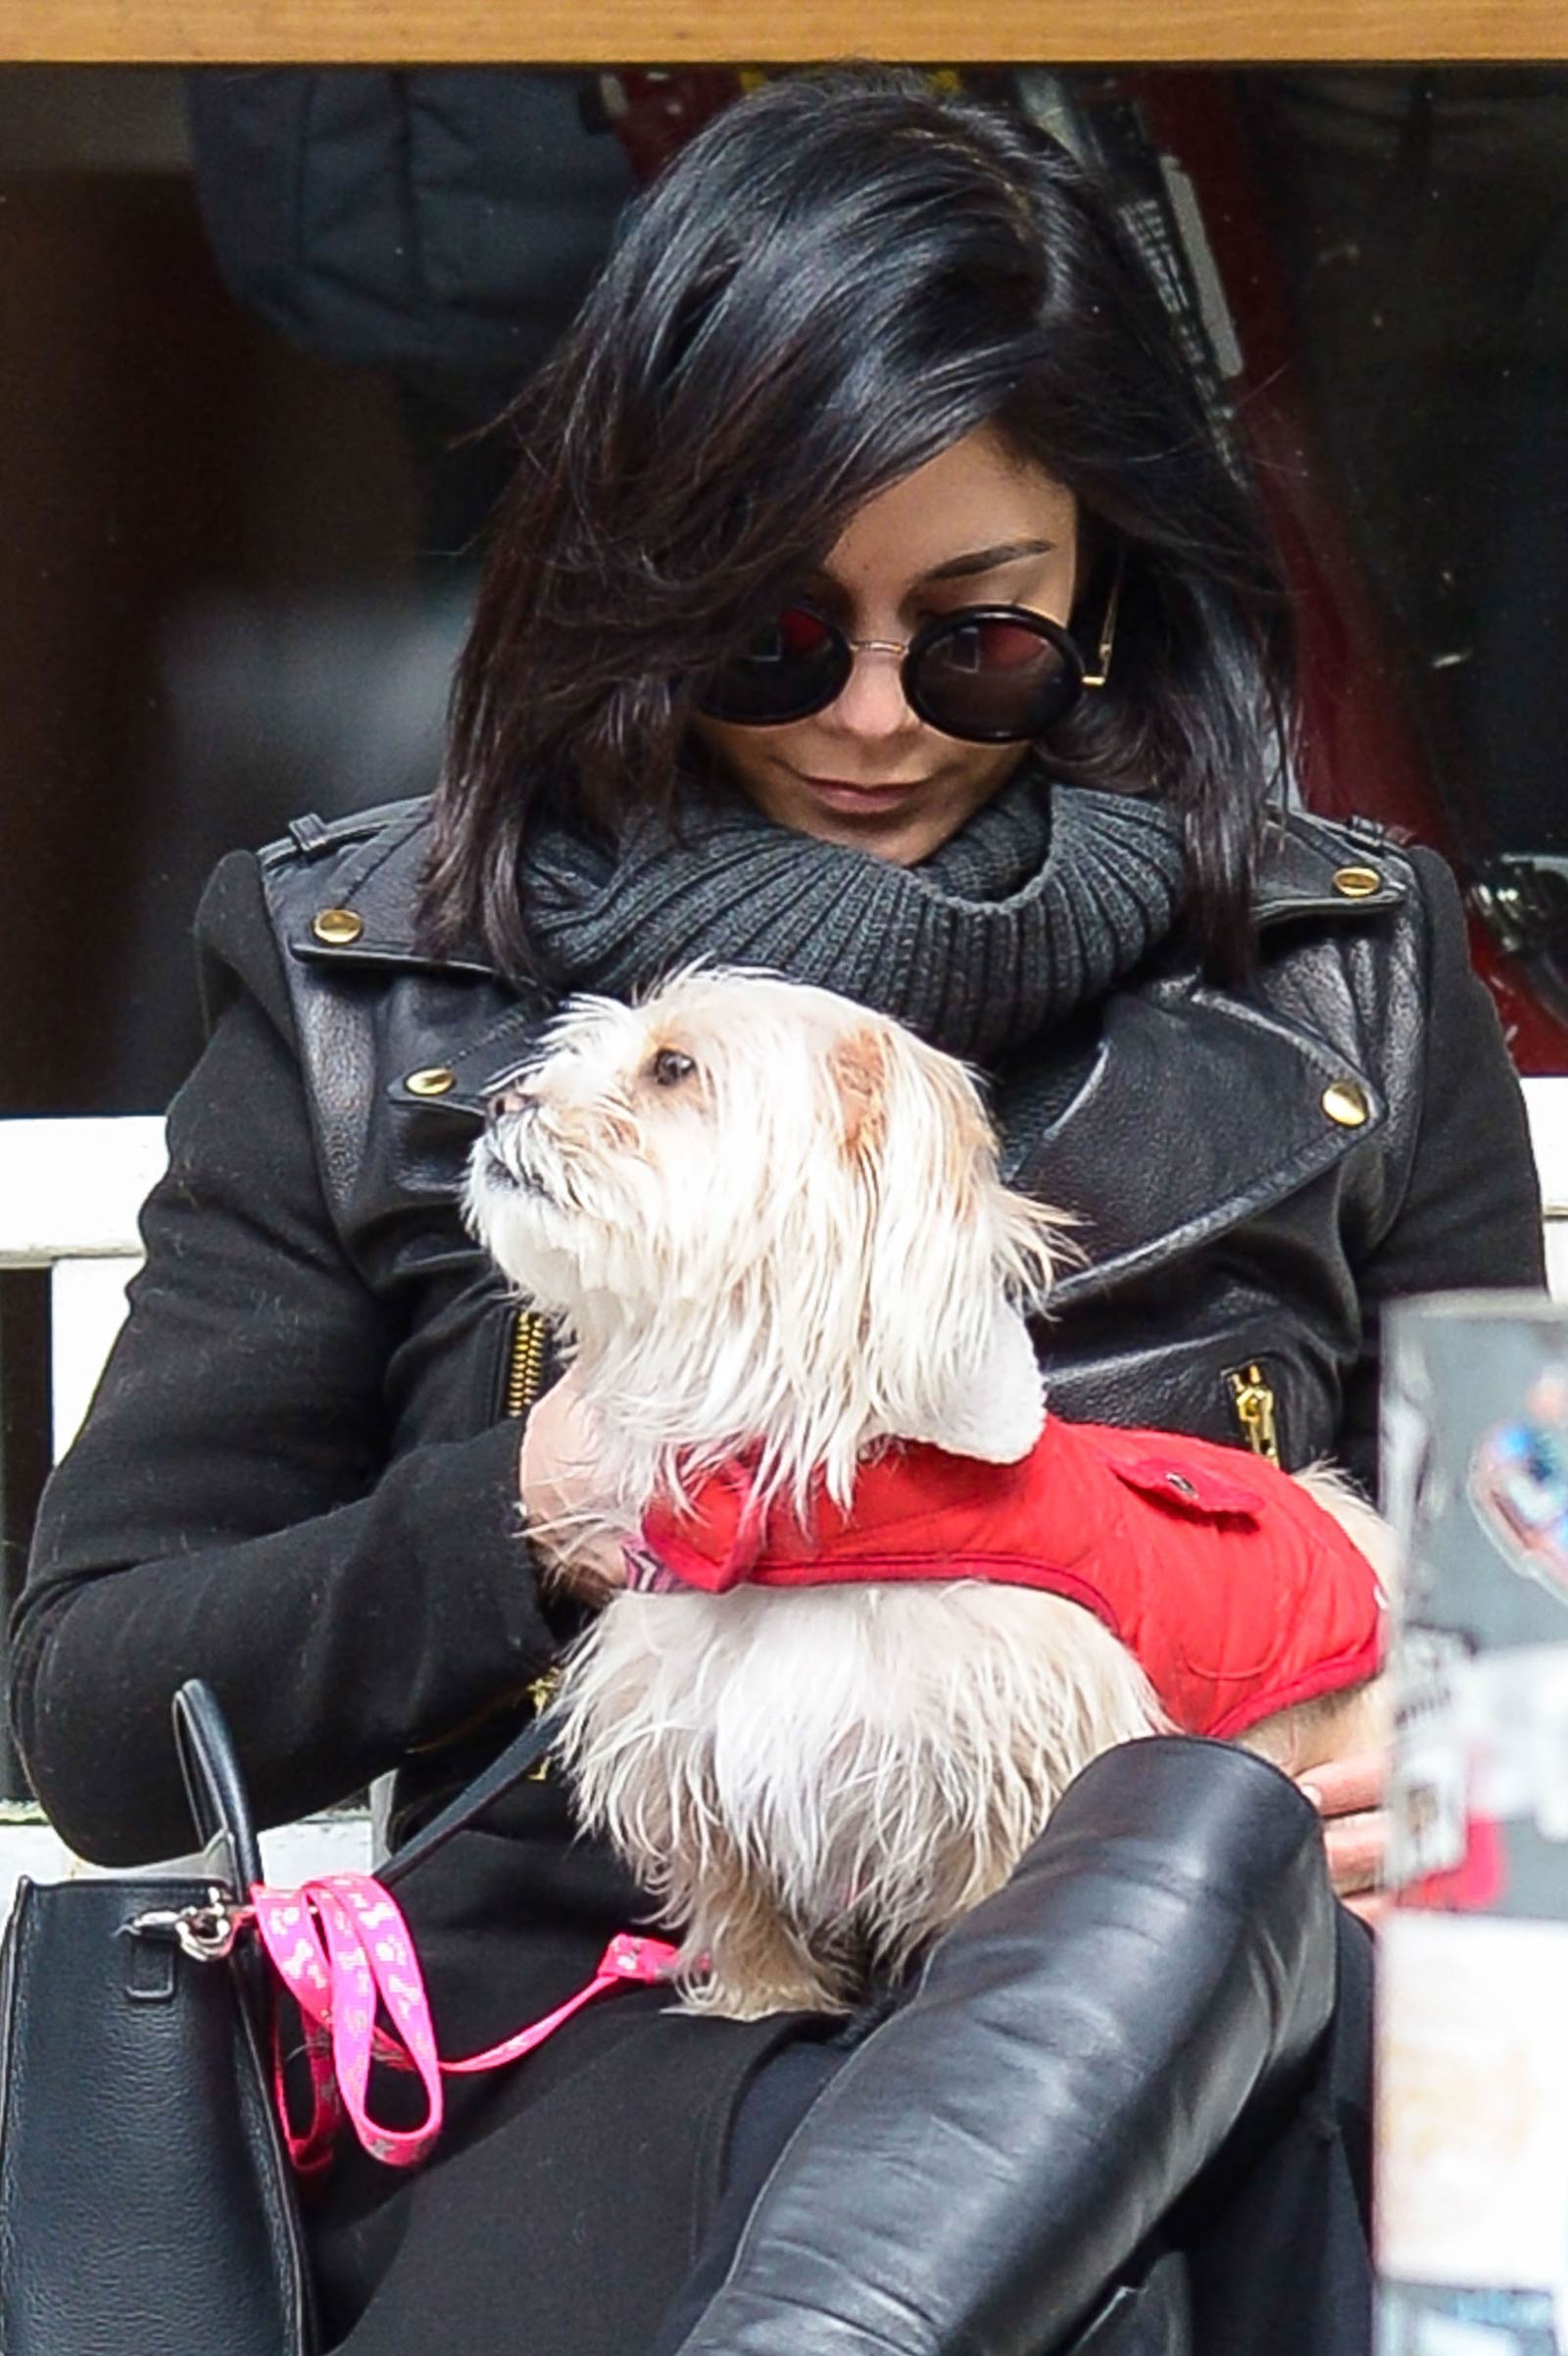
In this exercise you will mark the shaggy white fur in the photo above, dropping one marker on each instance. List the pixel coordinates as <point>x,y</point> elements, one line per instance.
<point>770,1223</point>
<point>814,1780</point>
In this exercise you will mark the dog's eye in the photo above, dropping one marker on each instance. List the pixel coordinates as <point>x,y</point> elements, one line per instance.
<point>669,1068</point>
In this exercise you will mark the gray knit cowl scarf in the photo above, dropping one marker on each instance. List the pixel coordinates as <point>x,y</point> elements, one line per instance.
<point>1048,895</point>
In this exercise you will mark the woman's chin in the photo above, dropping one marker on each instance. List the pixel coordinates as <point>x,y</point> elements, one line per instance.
<point>902,827</point>
<point>903,821</point>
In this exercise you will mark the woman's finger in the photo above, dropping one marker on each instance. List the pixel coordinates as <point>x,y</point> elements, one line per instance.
<point>1355,1847</point>
<point>555,1466</point>
<point>560,1488</point>
<point>1347,1786</point>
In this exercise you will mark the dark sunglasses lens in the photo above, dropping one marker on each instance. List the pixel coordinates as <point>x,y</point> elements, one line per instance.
<point>995,679</point>
<point>796,665</point>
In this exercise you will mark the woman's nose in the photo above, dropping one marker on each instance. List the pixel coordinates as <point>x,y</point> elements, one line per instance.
<point>873,703</point>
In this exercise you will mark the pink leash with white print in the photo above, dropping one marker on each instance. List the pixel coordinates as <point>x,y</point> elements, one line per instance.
<point>342,1949</point>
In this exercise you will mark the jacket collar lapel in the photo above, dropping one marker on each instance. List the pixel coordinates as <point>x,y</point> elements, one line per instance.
<point>1171,1103</point>
<point>1208,1103</point>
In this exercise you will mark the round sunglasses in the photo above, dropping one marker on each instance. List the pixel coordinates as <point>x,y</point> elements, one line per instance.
<point>987,674</point>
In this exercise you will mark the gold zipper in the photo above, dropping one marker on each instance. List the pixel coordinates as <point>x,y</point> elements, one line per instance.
<point>526,1362</point>
<point>541,1693</point>
<point>1252,1397</point>
<point>525,1374</point>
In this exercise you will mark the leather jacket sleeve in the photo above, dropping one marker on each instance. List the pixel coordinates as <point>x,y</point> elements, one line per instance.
<point>228,1511</point>
<point>1468,1209</point>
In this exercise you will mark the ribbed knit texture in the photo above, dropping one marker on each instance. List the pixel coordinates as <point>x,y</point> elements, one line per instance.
<point>1044,897</point>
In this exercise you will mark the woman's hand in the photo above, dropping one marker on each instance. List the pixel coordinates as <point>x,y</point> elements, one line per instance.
<point>1348,1795</point>
<point>557,1483</point>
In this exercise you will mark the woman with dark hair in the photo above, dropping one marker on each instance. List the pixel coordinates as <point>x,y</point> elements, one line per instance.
<point>874,601</point>
<point>834,288</point>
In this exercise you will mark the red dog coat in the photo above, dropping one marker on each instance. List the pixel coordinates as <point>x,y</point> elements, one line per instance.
<point>1231,1586</point>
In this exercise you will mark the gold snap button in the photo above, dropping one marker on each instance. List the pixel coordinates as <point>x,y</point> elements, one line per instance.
<point>1345,1101</point>
<point>435,1081</point>
<point>1357,883</point>
<point>337,927</point>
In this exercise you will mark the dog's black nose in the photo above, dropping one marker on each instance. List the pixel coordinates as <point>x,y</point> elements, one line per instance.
<point>504,1102</point>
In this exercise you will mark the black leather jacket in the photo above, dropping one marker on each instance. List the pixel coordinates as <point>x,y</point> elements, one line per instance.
<point>297,1477</point>
<point>1245,1161</point>
<point>300,1479</point>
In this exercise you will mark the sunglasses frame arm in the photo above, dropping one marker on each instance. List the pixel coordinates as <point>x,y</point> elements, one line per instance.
<point>1107,636</point>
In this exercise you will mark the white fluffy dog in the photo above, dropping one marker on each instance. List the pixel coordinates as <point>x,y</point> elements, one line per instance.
<point>771,1227</point>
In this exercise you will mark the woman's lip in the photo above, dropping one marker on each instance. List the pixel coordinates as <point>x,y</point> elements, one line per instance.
<point>845,796</point>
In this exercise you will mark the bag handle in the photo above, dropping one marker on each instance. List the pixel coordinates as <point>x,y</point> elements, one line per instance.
<point>215,1784</point>
<point>215,1787</point>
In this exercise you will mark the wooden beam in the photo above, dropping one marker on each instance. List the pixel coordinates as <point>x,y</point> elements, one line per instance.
<point>690,31</point>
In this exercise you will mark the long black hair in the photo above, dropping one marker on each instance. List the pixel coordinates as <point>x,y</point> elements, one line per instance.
<point>840,278</point>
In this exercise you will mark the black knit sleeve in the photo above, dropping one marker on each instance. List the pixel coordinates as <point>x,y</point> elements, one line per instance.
<point>228,1509</point>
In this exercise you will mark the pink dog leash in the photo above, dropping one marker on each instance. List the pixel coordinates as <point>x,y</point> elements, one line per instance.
<point>342,1949</point>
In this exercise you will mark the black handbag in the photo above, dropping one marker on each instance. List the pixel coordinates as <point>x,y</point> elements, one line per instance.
<point>146,2199</point>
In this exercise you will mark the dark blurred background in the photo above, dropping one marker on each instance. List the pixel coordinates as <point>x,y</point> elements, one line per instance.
<point>239,513</point>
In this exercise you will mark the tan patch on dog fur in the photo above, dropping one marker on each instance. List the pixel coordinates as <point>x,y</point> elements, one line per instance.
<point>857,1065</point>
<point>968,1146</point>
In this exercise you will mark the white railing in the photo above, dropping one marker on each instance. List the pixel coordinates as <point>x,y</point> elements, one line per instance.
<point>70,1189</point>
<point>70,1192</point>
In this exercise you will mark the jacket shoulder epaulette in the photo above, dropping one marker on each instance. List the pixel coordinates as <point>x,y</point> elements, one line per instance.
<point>1328,867</point>
<point>309,838</point>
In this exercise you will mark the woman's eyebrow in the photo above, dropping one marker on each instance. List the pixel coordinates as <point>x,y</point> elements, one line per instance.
<point>987,559</point>
<point>980,559</point>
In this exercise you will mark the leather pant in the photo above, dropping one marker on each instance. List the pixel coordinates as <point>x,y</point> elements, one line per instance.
<point>1009,2164</point>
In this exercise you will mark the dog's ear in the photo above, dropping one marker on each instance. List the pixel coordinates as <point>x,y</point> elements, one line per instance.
<point>951,1253</point>
<point>997,1410</point>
